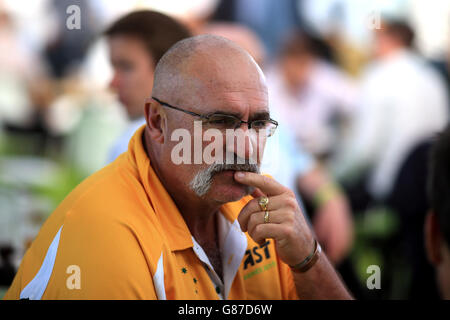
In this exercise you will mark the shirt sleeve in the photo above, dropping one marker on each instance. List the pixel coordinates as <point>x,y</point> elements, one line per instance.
<point>99,260</point>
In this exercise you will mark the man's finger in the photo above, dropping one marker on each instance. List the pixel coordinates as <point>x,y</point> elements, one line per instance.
<point>262,232</point>
<point>268,186</point>
<point>252,206</point>
<point>257,218</point>
<point>257,193</point>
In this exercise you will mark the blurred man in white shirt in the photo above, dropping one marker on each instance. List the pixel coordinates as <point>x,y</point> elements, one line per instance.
<point>403,101</point>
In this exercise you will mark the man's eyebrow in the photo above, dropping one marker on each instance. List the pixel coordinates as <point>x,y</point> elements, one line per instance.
<point>262,115</point>
<point>226,113</point>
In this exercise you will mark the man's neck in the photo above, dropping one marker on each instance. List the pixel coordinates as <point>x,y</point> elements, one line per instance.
<point>201,219</point>
<point>199,215</point>
<point>205,232</point>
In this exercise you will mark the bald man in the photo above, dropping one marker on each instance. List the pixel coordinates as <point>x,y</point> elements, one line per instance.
<point>151,227</point>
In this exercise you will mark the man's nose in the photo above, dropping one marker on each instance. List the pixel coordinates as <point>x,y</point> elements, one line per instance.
<point>242,142</point>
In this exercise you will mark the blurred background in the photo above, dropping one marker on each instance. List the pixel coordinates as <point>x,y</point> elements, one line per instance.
<point>361,85</point>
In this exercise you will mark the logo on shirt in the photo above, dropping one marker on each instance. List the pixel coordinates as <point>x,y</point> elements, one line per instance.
<point>256,257</point>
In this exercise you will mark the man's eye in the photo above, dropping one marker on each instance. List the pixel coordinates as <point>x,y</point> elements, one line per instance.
<point>259,124</point>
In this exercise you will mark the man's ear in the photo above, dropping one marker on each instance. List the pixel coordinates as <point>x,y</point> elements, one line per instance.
<point>156,120</point>
<point>433,239</point>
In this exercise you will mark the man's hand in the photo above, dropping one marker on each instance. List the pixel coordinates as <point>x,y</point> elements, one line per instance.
<point>287,226</point>
<point>292,235</point>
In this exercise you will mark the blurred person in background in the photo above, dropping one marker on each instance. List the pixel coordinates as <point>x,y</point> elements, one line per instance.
<point>293,166</point>
<point>311,95</point>
<point>97,124</point>
<point>67,47</point>
<point>432,28</point>
<point>7,269</point>
<point>268,19</point>
<point>60,96</point>
<point>442,64</point>
<point>136,43</point>
<point>403,101</point>
<point>409,201</point>
<point>21,81</point>
<point>437,225</point>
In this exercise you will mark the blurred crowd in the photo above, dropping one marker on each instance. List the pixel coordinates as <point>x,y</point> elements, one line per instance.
<point>359,88</point>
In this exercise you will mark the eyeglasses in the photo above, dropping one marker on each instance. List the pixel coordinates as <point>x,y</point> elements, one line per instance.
<point>227,121</point>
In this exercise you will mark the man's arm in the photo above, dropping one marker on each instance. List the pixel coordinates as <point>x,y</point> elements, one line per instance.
<point>333,221</point>
<point>321,282</point>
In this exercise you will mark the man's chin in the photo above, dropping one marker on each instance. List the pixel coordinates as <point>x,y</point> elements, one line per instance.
<point>227,196</point>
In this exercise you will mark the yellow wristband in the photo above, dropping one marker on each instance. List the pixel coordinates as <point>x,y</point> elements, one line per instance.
<point>325,193</point>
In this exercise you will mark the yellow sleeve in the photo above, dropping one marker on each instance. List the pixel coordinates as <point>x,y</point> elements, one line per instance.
<point>288,289</point>
<point>109,259</point>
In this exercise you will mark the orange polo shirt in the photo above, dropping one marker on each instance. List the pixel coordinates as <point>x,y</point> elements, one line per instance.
<point>119,235</point>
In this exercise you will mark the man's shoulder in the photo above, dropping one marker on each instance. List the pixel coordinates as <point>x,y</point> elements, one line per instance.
<point>110,193</point>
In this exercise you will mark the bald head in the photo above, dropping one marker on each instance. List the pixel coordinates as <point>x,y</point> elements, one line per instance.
<point>205,64</point>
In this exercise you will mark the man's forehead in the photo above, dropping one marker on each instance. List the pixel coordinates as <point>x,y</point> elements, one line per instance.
<point>240,103</point>
<point>245,97</point>
<point>233,89</point>
<point>215,76</point>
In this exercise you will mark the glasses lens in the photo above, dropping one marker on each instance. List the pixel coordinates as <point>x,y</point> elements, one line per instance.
<point>260,124</point>
<point>219,121</point>
<point>271,129</point>
<point>264,125</point>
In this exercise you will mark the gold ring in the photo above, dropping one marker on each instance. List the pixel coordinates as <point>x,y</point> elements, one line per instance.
<point>266,217</point>
<point>263,202</point>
